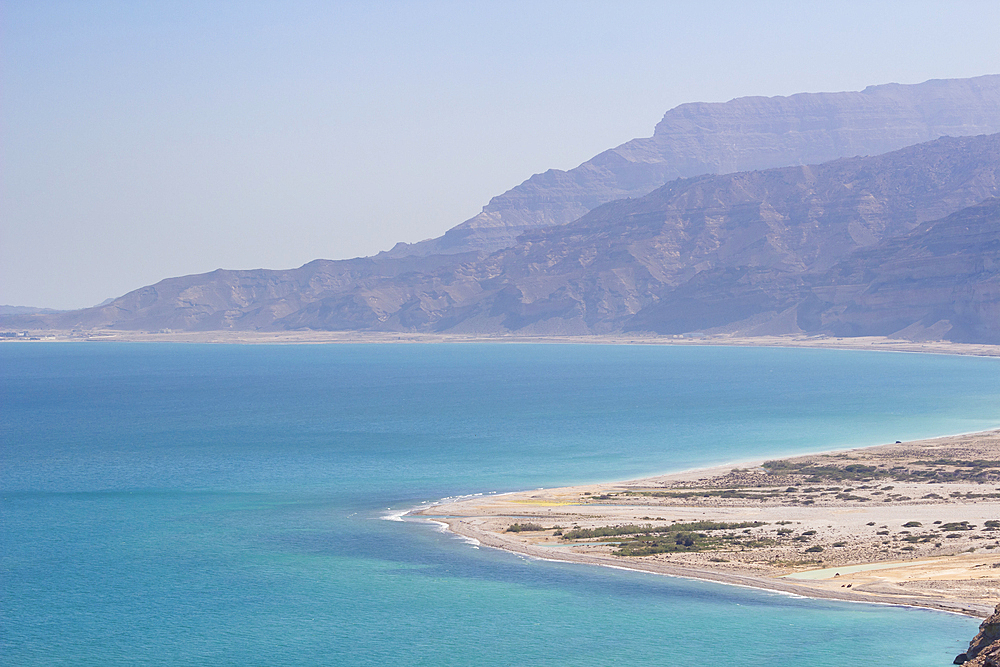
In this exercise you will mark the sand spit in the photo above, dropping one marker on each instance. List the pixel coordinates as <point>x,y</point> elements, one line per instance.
<point>914,523</point>
<point>317,337</point>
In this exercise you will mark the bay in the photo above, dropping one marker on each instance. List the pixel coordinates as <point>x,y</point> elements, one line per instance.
<point>180,504</point>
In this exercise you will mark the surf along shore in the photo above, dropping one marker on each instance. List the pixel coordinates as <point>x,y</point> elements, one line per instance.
<point>914,523</point>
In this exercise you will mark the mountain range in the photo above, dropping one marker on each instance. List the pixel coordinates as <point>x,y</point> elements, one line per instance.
<point>743,134</point>
<point>902,242</point>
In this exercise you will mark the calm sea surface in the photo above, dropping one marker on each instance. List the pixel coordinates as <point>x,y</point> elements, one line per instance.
<point>196,504</point>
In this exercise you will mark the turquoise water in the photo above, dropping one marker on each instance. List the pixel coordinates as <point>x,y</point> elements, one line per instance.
<point>188,504</point>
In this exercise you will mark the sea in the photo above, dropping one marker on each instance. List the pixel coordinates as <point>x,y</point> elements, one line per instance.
<point>185,504</point>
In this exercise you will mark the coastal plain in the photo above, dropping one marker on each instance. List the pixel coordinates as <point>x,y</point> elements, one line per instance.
<point>311,337</point>
<point>915,523</point>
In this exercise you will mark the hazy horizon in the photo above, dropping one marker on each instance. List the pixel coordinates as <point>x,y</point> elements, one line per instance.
<point>142,142</point>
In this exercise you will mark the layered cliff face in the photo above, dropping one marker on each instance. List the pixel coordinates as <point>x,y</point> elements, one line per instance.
<point>748,133</point>
<point>851,247</point>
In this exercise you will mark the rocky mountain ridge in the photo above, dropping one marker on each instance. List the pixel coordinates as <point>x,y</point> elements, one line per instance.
<point>744,134</point>
<point>849,247</point>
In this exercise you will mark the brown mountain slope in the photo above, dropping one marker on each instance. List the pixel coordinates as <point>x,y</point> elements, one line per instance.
<point>941,280</point>
<point>666,262</point>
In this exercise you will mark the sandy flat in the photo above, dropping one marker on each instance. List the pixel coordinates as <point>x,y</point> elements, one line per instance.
<point>894,536</point>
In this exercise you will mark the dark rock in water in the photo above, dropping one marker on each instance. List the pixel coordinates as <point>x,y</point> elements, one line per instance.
<point>984,649</point>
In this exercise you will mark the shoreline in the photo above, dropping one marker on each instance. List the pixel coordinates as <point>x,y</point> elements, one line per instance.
<point>960,573</point>
<point>761,584</point>
<point>871,343</point>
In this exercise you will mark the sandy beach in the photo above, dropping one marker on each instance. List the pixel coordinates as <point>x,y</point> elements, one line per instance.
<point>915,523</point>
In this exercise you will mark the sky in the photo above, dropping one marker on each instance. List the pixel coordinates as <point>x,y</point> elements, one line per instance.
<point>144,140</point>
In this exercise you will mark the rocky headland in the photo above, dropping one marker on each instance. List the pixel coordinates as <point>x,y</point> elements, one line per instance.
<point>984,649</point>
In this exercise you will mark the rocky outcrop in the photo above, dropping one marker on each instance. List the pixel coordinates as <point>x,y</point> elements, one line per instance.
<point>744,134</point>
<point>984,649</point>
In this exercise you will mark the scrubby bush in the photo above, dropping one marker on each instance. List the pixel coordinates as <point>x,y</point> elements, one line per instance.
<point>521,527</point>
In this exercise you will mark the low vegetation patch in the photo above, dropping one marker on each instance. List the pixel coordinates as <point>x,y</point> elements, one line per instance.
<point>712,493</point>
<point>958,525</point>
<point>822,473</point>
<point>646,540</point>
<point>522,527</point>
<point>939,470</point>
<point>649,529</point>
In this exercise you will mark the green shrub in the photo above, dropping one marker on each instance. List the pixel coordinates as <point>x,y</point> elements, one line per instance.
<point>958,525</point>
<point>607,531</point>
<point>521,527</point>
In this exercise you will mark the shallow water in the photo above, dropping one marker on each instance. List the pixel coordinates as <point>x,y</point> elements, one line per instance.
<point>179,504</point>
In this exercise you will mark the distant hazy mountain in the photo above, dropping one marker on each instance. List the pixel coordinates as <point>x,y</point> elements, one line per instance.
<point>744,134</point>
<point>26,310</point>
<point>853,246</point>
<point>941,280</point>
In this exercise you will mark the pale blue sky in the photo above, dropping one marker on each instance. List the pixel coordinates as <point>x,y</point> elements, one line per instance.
<point>142,140</point>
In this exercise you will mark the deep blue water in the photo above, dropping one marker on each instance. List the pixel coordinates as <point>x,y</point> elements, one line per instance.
<point>193,504</point>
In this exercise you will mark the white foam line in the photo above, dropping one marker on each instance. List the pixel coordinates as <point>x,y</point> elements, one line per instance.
<point>442,527</point>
